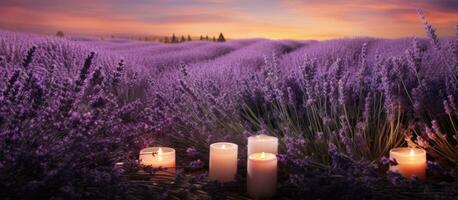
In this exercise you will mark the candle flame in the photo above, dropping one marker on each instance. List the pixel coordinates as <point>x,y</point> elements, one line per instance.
<point>159,154</point>
<point>223,147</point>
<point>263,155</point>
<point>411,153</point>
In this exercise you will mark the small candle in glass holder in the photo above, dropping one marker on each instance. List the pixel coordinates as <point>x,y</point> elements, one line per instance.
<point>262,143</point>
<point>158,157</point>
<point>410,162</point>
<point>262,175</point>
<point>223,162</point>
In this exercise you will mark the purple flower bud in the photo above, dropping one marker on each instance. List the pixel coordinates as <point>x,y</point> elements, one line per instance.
<point>431,135</point>
<point>422,143</point>
<point>192,151</point>
<point>437,129</point>
<point>282,158</point>
<point>388,161</point>
<point>319,135</point>
<point>197,164</point>
<point>447,107</point>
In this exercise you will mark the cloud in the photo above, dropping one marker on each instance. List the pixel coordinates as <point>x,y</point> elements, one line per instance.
<point>380,18</point>
<point>304,19</point>
<point>189,18</point>
<point>437,5</point>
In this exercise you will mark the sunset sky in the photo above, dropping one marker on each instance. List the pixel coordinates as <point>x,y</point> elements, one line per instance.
<point>280,19</point>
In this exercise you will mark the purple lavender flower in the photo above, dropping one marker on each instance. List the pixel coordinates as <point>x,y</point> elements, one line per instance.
<point>192,151</point>
<point>447,107</point>
<point>29,57</point>
<point>429,30</point>
<point>343,96</point>
<point>197,164</point>
<point>388,161</point>
<point>422,142</point>
<point>431,135</point>
<point>437,129</point>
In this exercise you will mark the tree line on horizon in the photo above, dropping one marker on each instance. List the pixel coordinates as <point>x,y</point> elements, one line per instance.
<point>175,39</point>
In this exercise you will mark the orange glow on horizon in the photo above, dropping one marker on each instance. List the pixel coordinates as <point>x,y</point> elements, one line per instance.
<point>282,20</point>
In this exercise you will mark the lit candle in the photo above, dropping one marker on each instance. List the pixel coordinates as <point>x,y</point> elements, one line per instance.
<point>411,162</point>
<point>262,175</point>
<point>262,143</point>
<point>223,162</point>
<point>158,157</point>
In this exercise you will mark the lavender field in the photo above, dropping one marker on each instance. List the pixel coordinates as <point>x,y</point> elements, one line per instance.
<point>73,109</point>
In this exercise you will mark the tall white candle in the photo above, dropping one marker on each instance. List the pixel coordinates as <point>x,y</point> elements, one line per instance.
<point>411,162</point>
<point>262,175</point>
<point>262,143</point>
<point>223,162</point>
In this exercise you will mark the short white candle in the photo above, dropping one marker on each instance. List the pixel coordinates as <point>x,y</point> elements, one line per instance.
<point>411,162</point>
<point>262,143</point>
<point>262,175</point>
<point>158,157</point>
<point>223,162</point>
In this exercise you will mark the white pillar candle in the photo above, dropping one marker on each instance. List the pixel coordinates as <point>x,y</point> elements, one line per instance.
<point>223,162</point>
<point>158,157</point>
<point>411,162</point>
<point>262,143</point>
<point>262,175</point>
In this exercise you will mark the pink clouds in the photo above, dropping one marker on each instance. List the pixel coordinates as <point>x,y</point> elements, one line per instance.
<point>384,18</point>
<point>298,19</point>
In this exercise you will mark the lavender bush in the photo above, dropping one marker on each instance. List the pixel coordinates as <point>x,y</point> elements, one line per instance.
<point>61,137</point>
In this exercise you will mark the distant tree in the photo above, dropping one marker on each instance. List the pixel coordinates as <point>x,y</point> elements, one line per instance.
<point>201,37</point>
<point>221,38</point>
<point>189,38</point>
<point>206,37</point>
<point>60,34</point>
<point>183,39</point>
<point>174,38</point>
<point>214,39</point>
<point>166,40</point>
